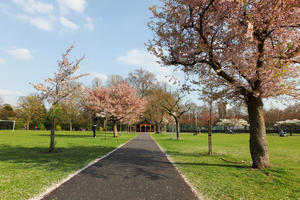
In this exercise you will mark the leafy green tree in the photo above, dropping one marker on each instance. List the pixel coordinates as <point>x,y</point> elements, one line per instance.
<point>71,106</point>
<point>30,109</point>
<point>7,112</point>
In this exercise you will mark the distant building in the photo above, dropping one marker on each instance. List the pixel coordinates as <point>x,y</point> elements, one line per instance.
<point>145,126</point>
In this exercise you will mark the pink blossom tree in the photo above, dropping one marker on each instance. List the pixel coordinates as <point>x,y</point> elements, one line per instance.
<point>118,102</point>
<point>249,47</point>
<point>56,89</point>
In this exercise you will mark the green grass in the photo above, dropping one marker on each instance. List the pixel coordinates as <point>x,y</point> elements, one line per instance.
<point>217,179</point>
<point>26,169</point>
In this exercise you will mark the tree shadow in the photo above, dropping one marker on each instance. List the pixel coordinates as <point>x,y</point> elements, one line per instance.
<point>149,163</point>
<point>61,159</point>
<point>89,135</point>
<point>192,154</point>
<point>136,161</point>
<point>214,165</point>
<point>142,162</point>
<point>206,155</point>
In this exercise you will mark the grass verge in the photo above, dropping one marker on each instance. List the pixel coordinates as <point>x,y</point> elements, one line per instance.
<point>26,169</point>
<point>216,179</point>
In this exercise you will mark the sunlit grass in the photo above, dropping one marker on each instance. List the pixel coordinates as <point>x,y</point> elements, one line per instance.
<point>26,169</point>
<point>216,179</point>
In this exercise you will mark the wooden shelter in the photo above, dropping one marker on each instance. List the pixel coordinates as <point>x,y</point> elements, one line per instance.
<point>145,126</point>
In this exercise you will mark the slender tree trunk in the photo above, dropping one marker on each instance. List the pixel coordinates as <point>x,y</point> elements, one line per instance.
<point>258,139</point>
<point>52,135</point>
<point>71,128</point>
<point>27,126</point>
<point>105,124</point>
<point>115,128</point>
<point>210,152</point>
<point>157,128</point>
<point>177,129</point>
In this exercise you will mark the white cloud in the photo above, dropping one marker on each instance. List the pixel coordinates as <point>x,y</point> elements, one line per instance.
<point>20,53</point>
<point>46,16</point>
<point>102,77</point>
<point>34,6</point>
<point>10,96</point>
<point>74,5</point>
<point>2,61</point>
<point>6,92</point>
<point>145,60</point>
<point>68,24</point>
<point>42,23</point>
<point>89,24</point>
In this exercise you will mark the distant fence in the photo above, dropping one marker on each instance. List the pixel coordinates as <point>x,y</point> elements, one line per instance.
<point>186,128</point>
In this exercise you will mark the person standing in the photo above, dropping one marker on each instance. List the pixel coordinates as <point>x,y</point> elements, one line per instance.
<point>95,126</point>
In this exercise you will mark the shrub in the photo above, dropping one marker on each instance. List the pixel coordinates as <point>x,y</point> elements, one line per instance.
<point>58,127</point>
<point>42,127</point>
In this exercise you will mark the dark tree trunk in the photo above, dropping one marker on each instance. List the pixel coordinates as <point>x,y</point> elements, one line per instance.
<point>210,152</point>
<point>177,129</point>
<point>115,128</point>
<point>157,128</point>
<point>52,135</point>
<point>258,139</point>
<point>105,124</point>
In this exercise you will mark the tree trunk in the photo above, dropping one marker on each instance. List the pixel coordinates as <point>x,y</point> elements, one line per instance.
<point>27,126</point>
<point>115,128</point>
<point>210,152</point>
<point>71,128</point>
<point>157,128</point>
<point>52,136</point>
<point>177,129</point>
<point>105,124</point>
<point>258,139</point>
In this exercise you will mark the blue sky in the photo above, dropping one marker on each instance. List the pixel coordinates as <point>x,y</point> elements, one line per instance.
<point>110,33</point>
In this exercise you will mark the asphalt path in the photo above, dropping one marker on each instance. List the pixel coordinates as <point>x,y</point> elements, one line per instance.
<point>138,170</point>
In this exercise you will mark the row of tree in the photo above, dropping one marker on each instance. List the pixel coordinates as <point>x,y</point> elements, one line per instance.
<point>71,115</point>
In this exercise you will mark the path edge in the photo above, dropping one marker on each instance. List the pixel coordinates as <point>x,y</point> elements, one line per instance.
<point>199,196</point>
<point>55,186</point>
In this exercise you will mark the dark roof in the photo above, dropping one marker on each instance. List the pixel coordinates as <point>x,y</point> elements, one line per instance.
<point>145,121</point>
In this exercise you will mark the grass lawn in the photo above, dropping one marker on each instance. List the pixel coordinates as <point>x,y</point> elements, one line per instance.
<point>217,179</point>
<point>26,169</point>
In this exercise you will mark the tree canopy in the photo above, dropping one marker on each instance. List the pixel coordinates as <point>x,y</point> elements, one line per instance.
<point>250,48</point>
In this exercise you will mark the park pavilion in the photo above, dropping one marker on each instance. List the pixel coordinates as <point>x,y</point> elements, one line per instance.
<point>145,126</point>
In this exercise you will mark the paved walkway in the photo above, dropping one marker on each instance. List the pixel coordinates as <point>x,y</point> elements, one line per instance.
<point>138,170</point>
